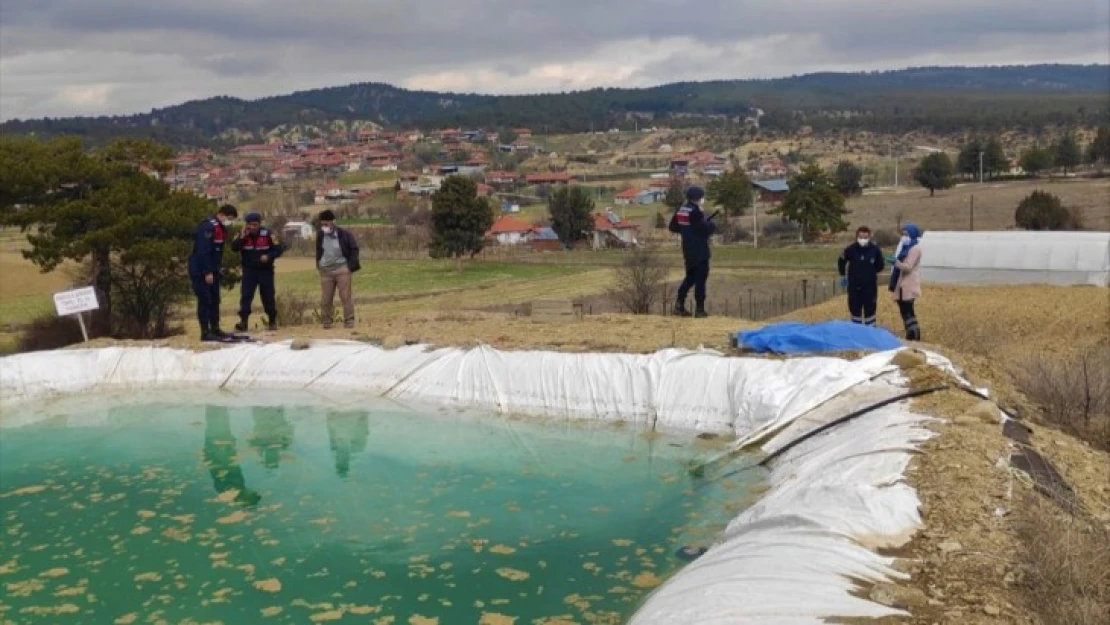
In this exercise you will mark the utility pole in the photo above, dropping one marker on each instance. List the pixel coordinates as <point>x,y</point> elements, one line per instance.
<point>973,212</point>
<point>891,152</point>
<point>980,167</point>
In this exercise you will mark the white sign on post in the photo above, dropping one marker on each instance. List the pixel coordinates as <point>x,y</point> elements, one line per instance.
<point>76,302</point>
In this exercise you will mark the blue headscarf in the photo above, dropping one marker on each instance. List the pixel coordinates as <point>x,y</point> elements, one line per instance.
<point>914,233</point>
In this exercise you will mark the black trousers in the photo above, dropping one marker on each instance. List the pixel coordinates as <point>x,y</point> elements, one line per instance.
<point>697,274</point>
<point>909,318</point>
<point>208,302</point>
<point>263,282</point>
<point>862,304</point>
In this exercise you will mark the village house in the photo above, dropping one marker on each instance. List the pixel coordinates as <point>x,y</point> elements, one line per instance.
<point>544,239</point>
<point>283,174</point>
<point>610,230</point>
<point>639,196</point>
<point>770,191</point>
<point>771,167</point>
<point>509,230</point>
<point>549,178</point>
<point>501,178</point>
<point>262,150</point>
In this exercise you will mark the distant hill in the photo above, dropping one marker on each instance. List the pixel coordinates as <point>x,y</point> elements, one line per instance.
<point>942,99</point>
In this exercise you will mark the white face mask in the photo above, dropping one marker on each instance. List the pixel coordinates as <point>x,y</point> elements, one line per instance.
<point>904,240</point>
<point>863,242</point>
<point>225,222</point>
<point>325,229</point>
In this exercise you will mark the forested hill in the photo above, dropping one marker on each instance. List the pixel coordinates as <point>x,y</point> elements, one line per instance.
<point>941,99</point>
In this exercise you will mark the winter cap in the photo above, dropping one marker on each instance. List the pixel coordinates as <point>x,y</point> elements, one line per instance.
<point>327,215</point>
<point>253,218</point>
<point>695,193</point>
<point>912,230</point>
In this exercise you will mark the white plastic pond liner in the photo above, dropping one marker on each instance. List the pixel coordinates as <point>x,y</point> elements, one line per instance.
<point>792,557</point>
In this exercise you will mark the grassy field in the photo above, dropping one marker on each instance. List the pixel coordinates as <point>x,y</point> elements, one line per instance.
<point>407,277</point>
<point>994,204</point>
<point>363,177</point>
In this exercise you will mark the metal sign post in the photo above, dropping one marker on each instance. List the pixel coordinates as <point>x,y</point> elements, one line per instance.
<point>76,302</point>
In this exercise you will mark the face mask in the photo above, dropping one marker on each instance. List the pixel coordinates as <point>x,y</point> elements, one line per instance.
<point>863,242</point>
<point>225,222</point>
<point>325,229</point>
<point>905,239</point>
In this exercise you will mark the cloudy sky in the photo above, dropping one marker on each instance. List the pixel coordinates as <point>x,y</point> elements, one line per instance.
<point>91,57</point>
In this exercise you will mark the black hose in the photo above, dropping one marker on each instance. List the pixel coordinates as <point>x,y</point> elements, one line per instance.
<point>831,424</point>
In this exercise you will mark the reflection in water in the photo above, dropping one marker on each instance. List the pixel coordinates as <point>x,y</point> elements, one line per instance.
<point>271,435</point>
<point>221,458</point>
<point>348,433</point>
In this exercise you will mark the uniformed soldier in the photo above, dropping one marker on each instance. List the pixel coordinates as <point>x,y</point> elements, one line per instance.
<point>257,247</point>
<point>205,267</point>
<point>695,228</point>
<point>859,267</point>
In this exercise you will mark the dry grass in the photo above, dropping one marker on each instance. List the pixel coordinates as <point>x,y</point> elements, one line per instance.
<point>1066,576</point>
<point>1004,323</point>
<point>995,204</point>
<point>1072,392</point>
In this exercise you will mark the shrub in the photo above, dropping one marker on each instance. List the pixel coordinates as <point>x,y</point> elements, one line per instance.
<point>295,309</point>
<point>53,332</point>
<point>1041,210</point>
<point>885,238</point>
<point>782,230</point>
<point>1064,558</point>
<point>640,280</point>
<point>732,233</point>
<point>1072,393</point>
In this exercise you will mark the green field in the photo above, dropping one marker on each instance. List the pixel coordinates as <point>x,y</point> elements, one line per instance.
<point>363,177</point>
<point>395,277</point>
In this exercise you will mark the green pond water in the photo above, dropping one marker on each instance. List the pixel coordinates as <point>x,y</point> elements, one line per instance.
<point>177,507</point>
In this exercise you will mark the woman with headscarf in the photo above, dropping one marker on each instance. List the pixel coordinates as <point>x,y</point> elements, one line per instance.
<point>905,279</point>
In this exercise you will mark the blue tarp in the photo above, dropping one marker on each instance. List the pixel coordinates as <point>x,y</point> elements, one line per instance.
<point>829,336</point>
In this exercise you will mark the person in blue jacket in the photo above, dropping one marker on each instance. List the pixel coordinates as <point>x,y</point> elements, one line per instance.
<point>257,247</point>
<point>859,266</point>
<point>204,269</point>
<point>695,228</point>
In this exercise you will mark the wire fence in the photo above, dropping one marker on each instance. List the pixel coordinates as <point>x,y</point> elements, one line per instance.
<point>756,303</point>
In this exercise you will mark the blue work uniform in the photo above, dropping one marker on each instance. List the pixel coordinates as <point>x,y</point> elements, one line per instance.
<point>258,274</point>
<point>206,259</point>
<point>861,264</point>
<point>690,222</point>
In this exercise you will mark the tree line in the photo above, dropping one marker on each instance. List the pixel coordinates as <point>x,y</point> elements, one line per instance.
<point>985,158</point>
<point>942,100</point>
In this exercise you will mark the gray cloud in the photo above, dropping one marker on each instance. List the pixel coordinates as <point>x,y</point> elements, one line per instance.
<point>65,57</point>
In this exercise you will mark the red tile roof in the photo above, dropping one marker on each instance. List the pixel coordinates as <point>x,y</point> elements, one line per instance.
<point>547,178</point>
<point>628,194</point>
<point>508,223</point>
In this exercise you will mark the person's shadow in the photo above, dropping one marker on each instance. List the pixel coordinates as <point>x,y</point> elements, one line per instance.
<point>221,457</point>
<point>272,434</point>
<point>347,433</point>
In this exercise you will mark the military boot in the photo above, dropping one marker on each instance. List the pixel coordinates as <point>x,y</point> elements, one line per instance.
<point>680,310</point>
<point>243,323</point>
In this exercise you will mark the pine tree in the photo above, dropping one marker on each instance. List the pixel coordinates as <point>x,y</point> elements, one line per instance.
<point>571,210</point>
<point>813,202</point>
<point>460,220</point>
<point>1068,155</point>
<point>934,172</point>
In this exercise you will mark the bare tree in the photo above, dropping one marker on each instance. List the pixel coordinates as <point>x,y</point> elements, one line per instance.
<point>639,281</point>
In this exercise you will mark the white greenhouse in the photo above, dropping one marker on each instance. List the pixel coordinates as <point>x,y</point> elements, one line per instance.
<point>1016,257</point>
